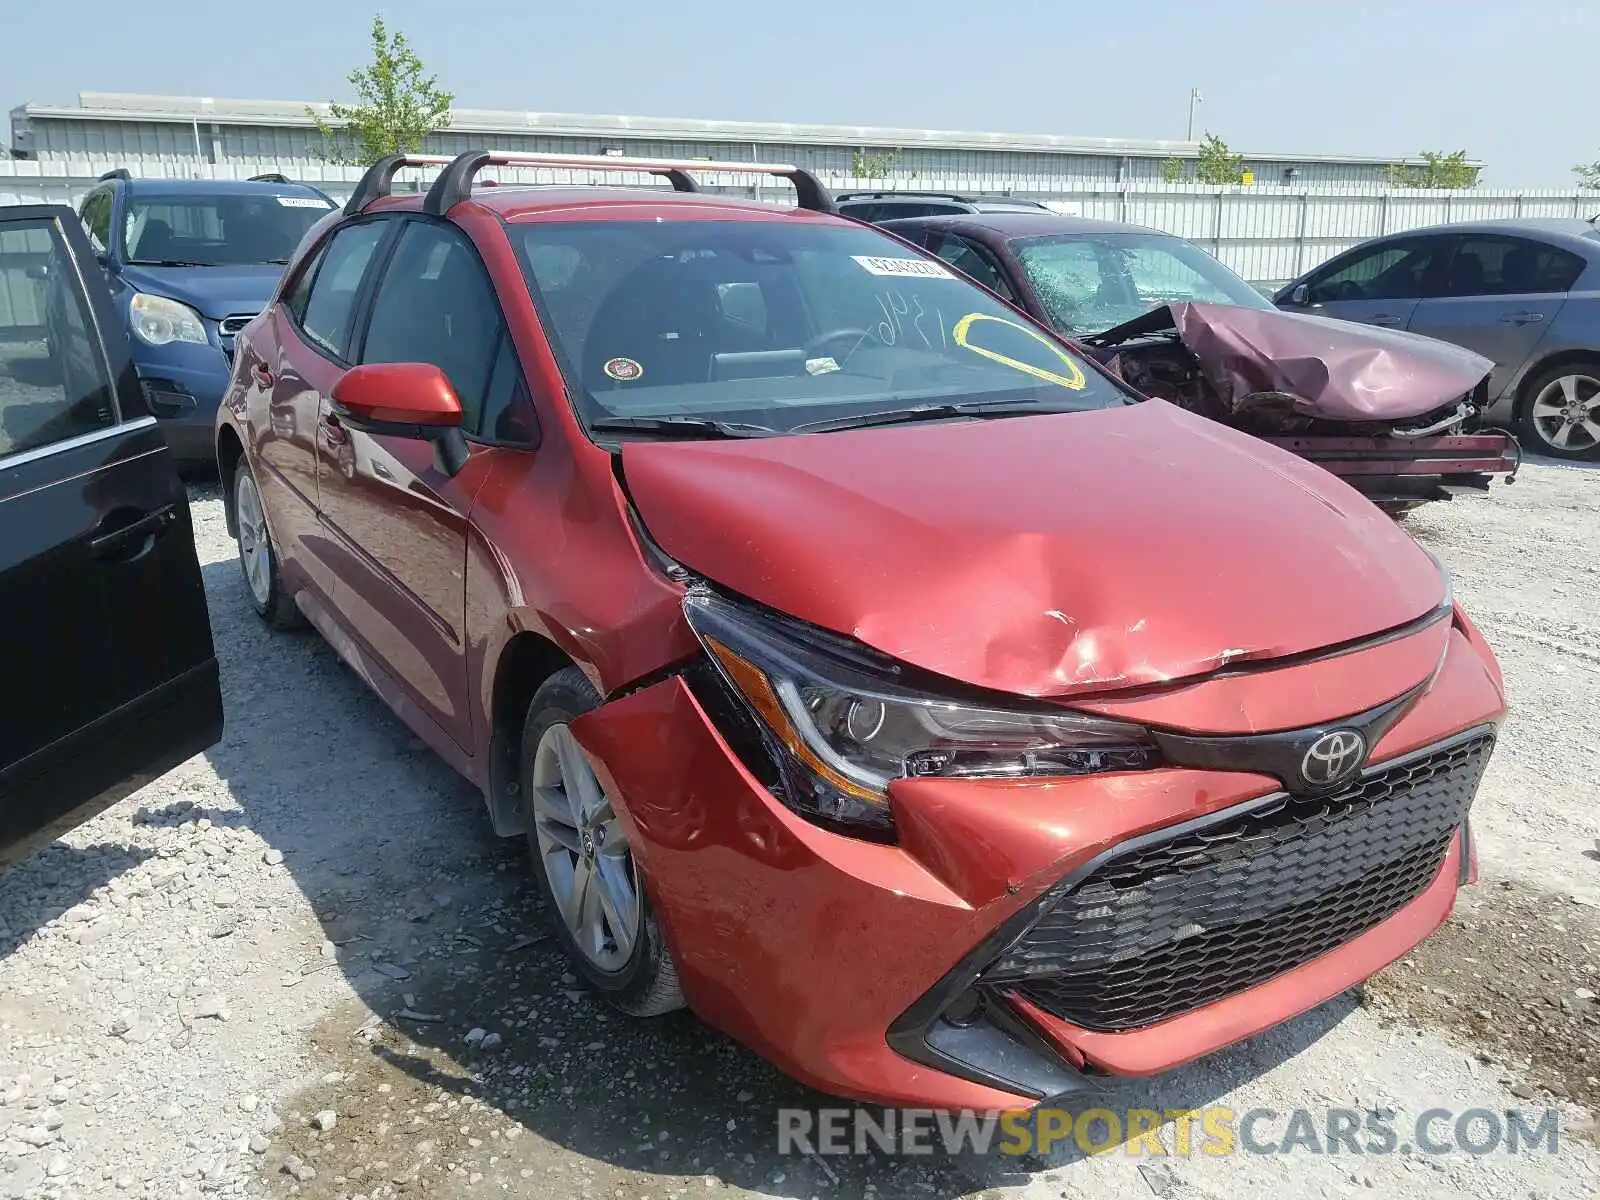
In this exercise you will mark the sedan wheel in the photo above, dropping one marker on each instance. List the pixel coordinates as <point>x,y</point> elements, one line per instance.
<point>1564,416</point>
<point>583,851</point>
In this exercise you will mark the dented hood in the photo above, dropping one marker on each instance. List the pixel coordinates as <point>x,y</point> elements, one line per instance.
<point>1332,369</point>
<point>1041,556</point>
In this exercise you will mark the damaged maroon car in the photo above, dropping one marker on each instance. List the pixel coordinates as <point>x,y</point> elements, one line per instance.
<point>1394,414</point>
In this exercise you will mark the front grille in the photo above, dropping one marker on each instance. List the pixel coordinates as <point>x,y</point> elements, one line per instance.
<point>230,326</point>
<point>1179,923</point>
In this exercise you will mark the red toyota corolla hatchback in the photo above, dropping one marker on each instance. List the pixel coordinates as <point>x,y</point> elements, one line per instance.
<point>865,668</point>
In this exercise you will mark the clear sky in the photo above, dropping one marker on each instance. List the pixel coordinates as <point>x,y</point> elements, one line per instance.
<point>1512,83</point>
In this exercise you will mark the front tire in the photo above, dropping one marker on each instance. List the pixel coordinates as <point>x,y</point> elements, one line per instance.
<point>593,892</point>
<point>258,558</point>
<point>1561,418</point>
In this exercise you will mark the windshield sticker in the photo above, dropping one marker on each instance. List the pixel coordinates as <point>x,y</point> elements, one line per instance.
<point>962,336</point>
<point>906,268</point>
<point>623,370</point>
<point>303,202</point>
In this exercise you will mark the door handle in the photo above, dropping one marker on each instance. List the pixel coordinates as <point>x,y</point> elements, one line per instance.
<point>261,375</point>
<point>333,429</point>
<point>1522,318</point>
<point>1387,320</point>
<point>128,534</point>
<point>382,472</point>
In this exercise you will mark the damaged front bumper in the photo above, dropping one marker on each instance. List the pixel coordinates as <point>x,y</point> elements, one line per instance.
<point>965,966</point>
<point>1412,470</point>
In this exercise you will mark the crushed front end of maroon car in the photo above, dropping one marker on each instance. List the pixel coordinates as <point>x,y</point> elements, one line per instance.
<point>1393,414</point>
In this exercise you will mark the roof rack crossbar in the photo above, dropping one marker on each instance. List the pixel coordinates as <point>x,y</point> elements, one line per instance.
<point>380,176</point>
<point>119,173</point>
<point>455,181</point>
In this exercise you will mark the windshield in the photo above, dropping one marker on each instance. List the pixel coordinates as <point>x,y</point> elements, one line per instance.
<point>218,231</point>
<point>773,325</point>
<point>1089,283</point>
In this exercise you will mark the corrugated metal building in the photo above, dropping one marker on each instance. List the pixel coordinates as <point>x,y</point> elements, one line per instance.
<point>163,134</point>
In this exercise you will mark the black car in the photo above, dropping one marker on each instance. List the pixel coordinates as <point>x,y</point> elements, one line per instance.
<point>110,674</point>
<point>875,207</point>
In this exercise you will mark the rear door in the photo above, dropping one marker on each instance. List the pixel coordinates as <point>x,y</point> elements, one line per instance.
<point>109,670</point>
<point>1380,284</point>
<point>1498,296</point>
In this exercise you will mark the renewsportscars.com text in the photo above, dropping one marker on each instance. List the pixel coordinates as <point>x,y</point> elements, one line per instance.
<point>1178,1132</point>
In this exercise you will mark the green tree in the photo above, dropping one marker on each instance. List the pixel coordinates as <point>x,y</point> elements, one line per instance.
<point>873,166</point>
<point>1588,174</point>
<point>399,105</point>
<point>1218,164</point>
<point>1172,170</point>
<point>1437,170</point>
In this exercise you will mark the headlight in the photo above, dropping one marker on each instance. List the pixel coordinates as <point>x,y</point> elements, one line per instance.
<point>844,723</point>
<point>158,320</point>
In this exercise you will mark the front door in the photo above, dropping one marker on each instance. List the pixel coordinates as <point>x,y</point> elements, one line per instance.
<point>400,522</point>
<point>110,676</point>
<point>1375,285</point>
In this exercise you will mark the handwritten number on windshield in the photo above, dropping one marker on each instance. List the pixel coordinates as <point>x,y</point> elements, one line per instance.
<point>907,320</point>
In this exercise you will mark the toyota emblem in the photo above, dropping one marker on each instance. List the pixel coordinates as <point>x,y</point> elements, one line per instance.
<point>1332,757</point>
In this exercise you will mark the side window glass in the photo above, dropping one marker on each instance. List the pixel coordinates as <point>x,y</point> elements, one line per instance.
<point>96,216</point>
<point>330,307</point>
<point>508,414</point>
<point>1396,271</point>
<point>300,290</point>
<point>1505,266</point>
<point>967,259</point>
<point>53,381</point>
<point>435,304</point>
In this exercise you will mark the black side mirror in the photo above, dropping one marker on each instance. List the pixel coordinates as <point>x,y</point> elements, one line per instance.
<point>39,271</point>
<point>1300,296</point>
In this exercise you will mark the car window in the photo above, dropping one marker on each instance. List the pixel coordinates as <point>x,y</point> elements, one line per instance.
<point>299,291</point>
<point>54,382</point>
<point>330,308</point>
<point>96,216</point>
<point>778,323</point>
<point>1091,282</point>
<point>220,230</point>
<point>1487,265</point>
<point>972,262</point>
<point>435,304</point>
<point>889,210</point>
<point>1392,271</point>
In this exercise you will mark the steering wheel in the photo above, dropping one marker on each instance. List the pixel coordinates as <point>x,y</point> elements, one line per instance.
<point>837,335</point>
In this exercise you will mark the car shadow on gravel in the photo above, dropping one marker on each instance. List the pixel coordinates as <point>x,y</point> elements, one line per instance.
<point>470,1049</point>
<point>52,882</point>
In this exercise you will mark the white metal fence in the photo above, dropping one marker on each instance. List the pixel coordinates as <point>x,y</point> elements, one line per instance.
<point>1267,232</point>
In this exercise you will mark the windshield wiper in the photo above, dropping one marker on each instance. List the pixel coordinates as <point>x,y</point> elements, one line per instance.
<point>680,426</point>
<point>167,262</point>
<point>929,412</point>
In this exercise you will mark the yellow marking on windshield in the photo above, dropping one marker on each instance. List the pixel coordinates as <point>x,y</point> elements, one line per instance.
<point>1074,379</point>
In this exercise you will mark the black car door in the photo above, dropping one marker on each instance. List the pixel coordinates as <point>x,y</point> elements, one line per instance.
<point>109,674</point>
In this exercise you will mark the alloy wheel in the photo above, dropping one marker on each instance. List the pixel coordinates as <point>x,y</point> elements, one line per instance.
<point>1566,413</point>
<point>254,544</point>
<point>583,851</point>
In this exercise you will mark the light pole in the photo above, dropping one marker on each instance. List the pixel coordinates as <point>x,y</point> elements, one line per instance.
<point>1194,99</point>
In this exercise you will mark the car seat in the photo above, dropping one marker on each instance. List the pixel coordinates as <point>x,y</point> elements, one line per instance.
<point>662,315</point>
<point>1466,275</point>
<point>155,241</point>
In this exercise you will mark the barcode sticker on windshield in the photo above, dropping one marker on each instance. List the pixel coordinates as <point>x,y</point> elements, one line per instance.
<point>913,268</point>
<point>303,202</point>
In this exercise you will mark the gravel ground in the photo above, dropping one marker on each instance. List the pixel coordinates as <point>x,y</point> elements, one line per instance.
<point>301,964</point>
